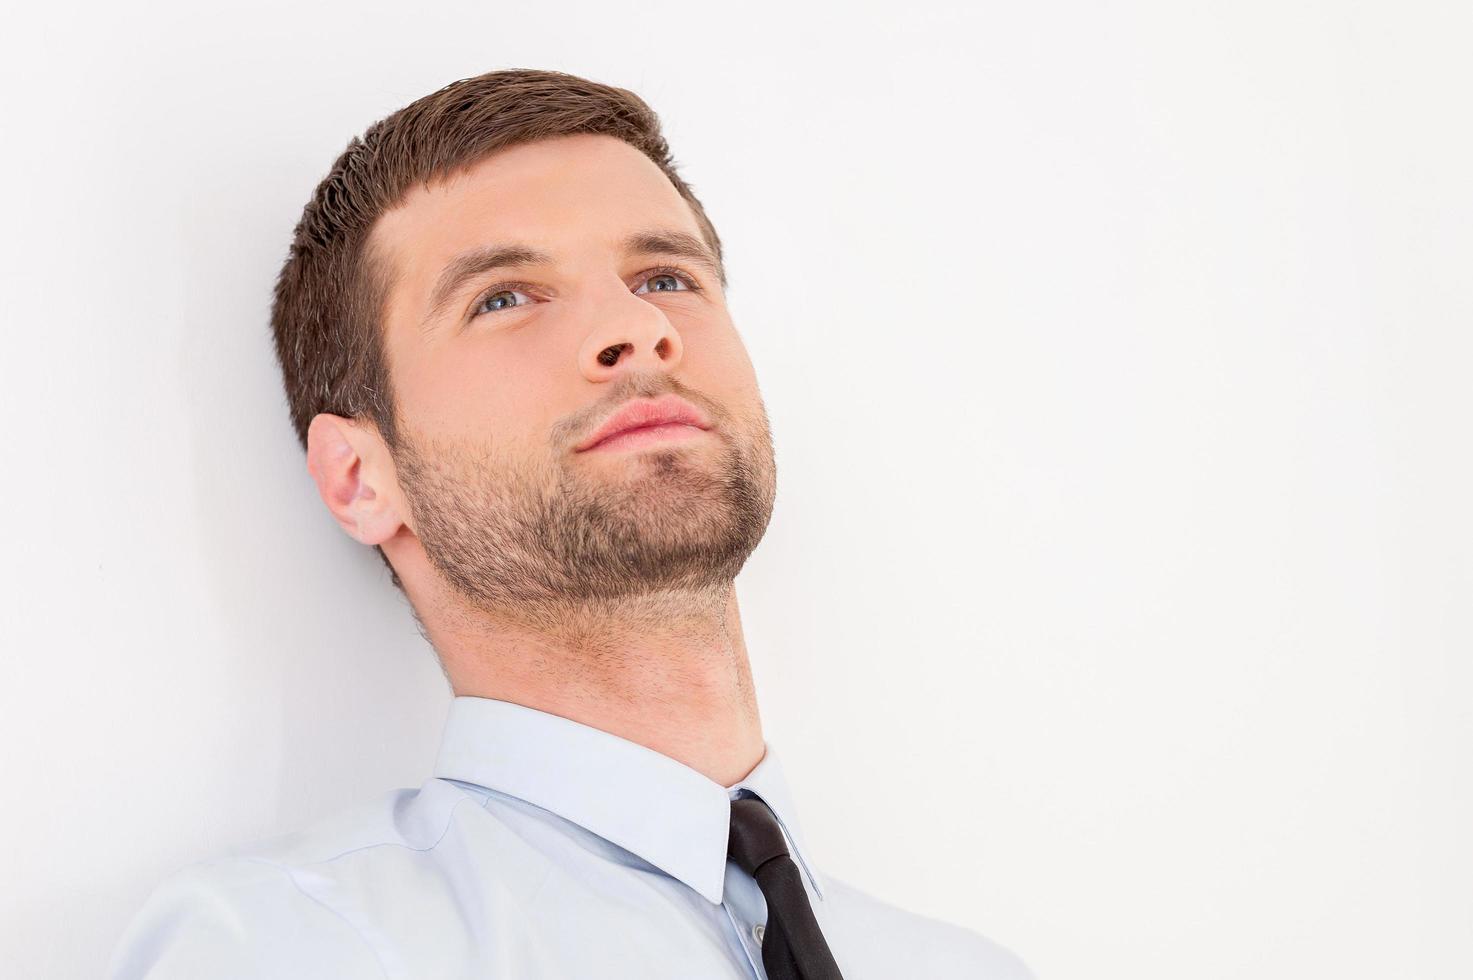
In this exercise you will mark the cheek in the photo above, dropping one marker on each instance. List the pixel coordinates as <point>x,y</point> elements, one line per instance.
<point>714,347</point>
<point>722,359</point>
<point>716,365</point>
<point>471,390</point>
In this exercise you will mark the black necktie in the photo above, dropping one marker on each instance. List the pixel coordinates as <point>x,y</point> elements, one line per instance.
<point>793,947</point>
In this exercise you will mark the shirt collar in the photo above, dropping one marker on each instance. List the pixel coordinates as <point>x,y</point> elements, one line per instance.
<point>606,784</point>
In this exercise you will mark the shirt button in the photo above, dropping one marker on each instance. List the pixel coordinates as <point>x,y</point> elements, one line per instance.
<point>757,932</point>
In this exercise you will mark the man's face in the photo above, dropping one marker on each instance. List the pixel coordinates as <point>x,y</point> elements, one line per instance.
<point>499,376</point>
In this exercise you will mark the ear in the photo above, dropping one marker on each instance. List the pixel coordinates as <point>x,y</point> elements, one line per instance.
<point>355,477</point>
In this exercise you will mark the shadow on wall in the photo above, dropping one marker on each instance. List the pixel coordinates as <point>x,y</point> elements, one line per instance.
<point>335,684</point>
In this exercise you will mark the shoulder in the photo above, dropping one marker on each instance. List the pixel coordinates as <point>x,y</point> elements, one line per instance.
<point>407,819</point>
<point>238,918</point>
<point>924,946</point>
<point>266,908</point>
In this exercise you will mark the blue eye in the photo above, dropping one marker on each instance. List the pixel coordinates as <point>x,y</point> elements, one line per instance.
<point>487,303</point>
<point>679,283</point>
<point>669,278</point>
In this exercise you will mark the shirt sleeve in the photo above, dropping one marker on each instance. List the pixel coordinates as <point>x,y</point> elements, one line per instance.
<point>239,919</point>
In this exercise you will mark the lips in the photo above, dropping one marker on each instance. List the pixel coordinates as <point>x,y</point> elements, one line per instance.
<point>640,413</point>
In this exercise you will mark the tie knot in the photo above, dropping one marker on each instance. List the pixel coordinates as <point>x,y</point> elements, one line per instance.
<point>756,837</point>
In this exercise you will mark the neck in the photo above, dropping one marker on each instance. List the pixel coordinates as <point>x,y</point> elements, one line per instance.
<point>667,670</point>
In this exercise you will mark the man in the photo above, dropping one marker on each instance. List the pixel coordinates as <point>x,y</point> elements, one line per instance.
<point>508,356</point>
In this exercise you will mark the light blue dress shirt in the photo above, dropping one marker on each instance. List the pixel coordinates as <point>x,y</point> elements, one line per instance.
<point>541,847</point>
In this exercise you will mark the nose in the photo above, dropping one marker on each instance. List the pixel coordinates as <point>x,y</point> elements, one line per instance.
<point>630,334</point>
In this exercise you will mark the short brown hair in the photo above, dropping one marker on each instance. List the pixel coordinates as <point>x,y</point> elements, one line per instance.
<point>327,311</point>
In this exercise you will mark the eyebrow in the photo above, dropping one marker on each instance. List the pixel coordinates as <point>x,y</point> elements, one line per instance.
<point>475,262</point>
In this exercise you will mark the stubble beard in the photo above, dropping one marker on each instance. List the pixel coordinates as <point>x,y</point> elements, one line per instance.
<point>532,539</point>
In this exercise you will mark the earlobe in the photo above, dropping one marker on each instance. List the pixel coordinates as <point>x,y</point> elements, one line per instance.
<point>345,460</point>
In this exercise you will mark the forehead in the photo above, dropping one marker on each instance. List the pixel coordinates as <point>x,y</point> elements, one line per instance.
<point>565,195</point>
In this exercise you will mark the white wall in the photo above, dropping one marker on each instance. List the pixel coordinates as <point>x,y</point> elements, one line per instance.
<point>1117,357</point>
